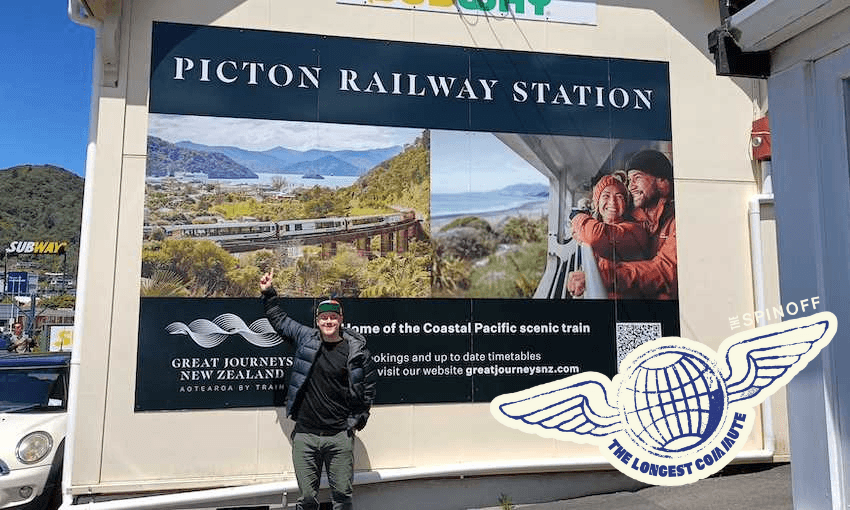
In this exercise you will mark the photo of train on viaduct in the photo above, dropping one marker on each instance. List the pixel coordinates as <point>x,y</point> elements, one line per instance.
<point>394,230</point>
<point>328,218</point>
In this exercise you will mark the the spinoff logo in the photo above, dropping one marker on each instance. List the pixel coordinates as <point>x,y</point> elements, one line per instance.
<point>37,247</point>
<point>209,334</point>
<point>672,415</point>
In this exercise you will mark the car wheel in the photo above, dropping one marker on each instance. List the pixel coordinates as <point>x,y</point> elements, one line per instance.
<point>55,498</point>
<point>52,495</point>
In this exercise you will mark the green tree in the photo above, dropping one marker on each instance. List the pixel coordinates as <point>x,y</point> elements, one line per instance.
<point>342,274</point>
<point>397,276</point>
<point>522,230</point>
<point>203,264</point>
<point>449,273</point>
<point>265,260</point>
<point>243,282</point>
<point>469,221</point>
<point>58,301</point>
<point>163,283</point>
<point>467,243</point>
<point>512,274</point>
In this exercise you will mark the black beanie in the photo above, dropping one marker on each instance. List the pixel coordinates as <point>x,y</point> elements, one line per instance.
<point>651,162</point>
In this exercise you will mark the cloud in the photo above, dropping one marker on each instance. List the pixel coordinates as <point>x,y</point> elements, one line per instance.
<point>260,135</point>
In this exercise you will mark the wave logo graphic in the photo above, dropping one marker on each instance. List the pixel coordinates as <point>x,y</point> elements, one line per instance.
<point>209,334</point>
<point>678,411</point>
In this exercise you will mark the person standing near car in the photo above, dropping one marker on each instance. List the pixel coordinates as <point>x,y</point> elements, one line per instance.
<point>330,392</point>
<point>19,341</point>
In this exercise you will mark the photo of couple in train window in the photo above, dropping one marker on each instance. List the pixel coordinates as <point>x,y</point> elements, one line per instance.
<point>627,234</point>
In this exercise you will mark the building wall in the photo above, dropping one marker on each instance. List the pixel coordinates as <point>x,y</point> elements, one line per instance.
<point>809,93</point>
<point>118,450</point>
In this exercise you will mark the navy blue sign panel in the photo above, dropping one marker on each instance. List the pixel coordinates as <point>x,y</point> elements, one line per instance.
<point>17,283</point>
<point>219,353</point>
<point>210,353</point>
<point>200,70</point>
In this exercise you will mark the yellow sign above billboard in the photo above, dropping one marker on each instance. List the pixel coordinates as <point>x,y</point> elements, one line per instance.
<point>561,11</point>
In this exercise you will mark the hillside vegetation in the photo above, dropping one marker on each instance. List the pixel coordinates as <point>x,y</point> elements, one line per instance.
<point>191,267</point>
<point>400,182</point>
<point>404,179</point>
<point>475,259</point>
<point>165,159</point>
<point>41,203</point>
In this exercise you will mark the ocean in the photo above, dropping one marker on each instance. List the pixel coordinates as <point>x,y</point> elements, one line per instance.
<point>329,181</point>
<point>453,204</point>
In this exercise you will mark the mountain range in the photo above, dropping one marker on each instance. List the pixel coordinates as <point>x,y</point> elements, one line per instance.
<point>526,190</point>
<point>165,158</point>
<point>281,160</point>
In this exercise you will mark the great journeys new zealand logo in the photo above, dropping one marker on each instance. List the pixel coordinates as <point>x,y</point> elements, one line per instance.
<point>671,416</point>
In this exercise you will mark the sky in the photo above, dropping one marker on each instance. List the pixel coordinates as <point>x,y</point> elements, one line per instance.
<point>45,91</point>
<point>463,161</point>
<point>46,96</point>
<point>261,135</point>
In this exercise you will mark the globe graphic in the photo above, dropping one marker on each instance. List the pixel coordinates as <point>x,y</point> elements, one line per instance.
<point>672,401</point>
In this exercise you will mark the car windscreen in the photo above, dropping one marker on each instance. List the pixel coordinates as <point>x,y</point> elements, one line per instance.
<point>32,390</point>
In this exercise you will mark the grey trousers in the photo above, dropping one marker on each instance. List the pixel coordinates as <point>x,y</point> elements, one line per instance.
<point>310,452</point>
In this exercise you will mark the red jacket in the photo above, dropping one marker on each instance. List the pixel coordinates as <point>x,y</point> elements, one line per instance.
<point>657,277</point>
<point>626,240</point>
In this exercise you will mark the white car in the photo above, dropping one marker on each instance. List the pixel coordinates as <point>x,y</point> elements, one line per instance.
<point>33,403</point>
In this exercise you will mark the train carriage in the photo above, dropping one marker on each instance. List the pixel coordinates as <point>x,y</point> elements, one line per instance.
<point>263,230</point>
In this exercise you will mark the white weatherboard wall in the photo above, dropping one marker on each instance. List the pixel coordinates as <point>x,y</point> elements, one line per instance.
<point>809,88</point>
<point>117,450</point>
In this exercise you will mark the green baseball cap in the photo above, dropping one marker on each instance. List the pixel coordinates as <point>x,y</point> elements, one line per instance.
<point>329,305</point>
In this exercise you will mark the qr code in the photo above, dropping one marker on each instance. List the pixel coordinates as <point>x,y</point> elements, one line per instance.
<point>630,335</point>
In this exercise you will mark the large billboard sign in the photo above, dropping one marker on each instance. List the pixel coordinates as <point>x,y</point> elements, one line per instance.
<point>478,212</point>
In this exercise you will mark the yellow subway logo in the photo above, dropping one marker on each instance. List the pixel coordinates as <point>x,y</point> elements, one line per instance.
<point>37,247</point>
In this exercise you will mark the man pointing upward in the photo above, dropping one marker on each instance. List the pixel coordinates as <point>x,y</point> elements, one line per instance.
<point>330,392</point>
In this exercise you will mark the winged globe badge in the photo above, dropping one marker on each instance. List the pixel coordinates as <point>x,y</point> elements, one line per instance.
<point>678,411</point>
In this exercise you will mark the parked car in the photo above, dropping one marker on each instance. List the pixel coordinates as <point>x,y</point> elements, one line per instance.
<point>33,404</point>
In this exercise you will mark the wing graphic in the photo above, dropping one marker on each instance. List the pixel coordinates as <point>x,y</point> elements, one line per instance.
<point>573,409</point>
<point>757,366</point>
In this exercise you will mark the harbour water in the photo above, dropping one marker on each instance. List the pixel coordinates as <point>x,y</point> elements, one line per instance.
<point>454,204</point>
<point>296,181</point>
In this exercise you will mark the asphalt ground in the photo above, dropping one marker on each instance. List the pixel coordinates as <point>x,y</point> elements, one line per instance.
<point>740,487</point>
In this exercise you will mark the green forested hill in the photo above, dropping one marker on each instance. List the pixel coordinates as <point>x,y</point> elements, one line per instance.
<point>41,202</point>
<point>403,180</point>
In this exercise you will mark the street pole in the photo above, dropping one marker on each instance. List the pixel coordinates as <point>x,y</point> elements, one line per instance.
<point>31,321</point>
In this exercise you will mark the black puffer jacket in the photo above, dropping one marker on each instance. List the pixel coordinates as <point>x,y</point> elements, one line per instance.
<point>307,341</point>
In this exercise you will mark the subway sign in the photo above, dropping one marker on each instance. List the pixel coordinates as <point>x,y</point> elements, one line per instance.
<point>562,11</point>
<point>36,247</point>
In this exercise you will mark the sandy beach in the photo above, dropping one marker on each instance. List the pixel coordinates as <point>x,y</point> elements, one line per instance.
<point>534,209</point>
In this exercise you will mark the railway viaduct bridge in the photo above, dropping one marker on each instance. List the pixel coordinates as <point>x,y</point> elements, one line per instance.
<point>394,237</point>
